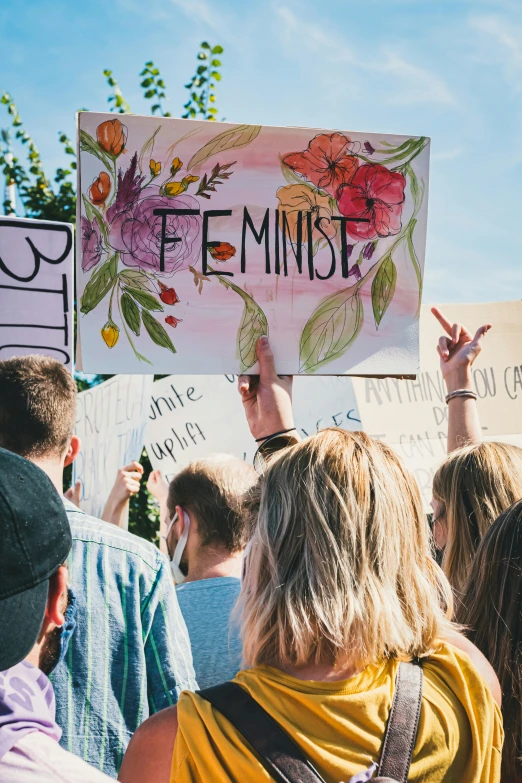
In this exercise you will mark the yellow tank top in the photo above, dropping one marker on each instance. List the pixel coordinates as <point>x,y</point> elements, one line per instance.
<point>340,725</point>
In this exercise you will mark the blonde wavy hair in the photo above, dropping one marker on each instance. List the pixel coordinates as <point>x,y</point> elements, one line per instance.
<point>475,484</point>
<point>339,563</point>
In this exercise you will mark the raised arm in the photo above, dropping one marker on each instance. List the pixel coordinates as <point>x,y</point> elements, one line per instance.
<point>267,399</point>
<point>457,350</point>
<point>127,484</point>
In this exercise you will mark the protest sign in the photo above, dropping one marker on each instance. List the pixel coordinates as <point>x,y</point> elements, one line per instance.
<point>412,415</point>
<point>110,423</point>
<point>36,289</point>
<point>192,416</point>
<point>195,238</point>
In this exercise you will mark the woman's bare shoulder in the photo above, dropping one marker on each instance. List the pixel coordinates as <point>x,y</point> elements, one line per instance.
<point>149,756</point>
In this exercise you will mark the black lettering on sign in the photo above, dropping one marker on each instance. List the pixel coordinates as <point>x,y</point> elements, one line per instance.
<point>37,255</point>
<point>165,240</point>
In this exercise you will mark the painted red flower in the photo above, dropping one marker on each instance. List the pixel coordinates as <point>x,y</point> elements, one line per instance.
<point>171,321</point>
<point>222,252</point>
<point>168,295</point>
<point>375,195</point>
<point>326,162</point>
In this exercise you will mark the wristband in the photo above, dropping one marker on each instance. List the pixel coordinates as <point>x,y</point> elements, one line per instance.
<point>267,449</point>
<point>274,434</point>
<point>461,393</point>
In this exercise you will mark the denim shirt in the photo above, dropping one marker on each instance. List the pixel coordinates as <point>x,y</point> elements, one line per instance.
<point>130,654</point>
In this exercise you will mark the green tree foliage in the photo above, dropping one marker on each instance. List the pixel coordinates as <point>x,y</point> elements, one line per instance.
<point>44,199</point>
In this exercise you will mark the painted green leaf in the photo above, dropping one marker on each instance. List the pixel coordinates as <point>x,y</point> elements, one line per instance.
<point>413,257</point>
<point>156,331</point>
<point>331,329</point>
<point>88,144</point>
<point>148,147</point>
<point>253,326</point>
<point>239,136</point>
<point>144,298</point>
<point>383,288</point>
<point>134,278</point>
<point>131,313</point>
<point>94,215</point>
<point>99,285</point>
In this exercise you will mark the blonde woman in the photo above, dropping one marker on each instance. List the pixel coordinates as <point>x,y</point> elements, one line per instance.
<point>477,481</point>
<point>339,587</point>
<point>492,609</point>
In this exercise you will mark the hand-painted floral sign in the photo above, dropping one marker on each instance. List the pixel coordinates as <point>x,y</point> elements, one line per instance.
<point>196,238</point>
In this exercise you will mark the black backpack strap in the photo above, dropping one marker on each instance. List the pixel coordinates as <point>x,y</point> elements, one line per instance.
<point>283,759</point>
<point>403,723</point>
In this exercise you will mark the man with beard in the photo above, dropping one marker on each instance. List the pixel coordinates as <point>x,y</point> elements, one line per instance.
<point>36,621</point>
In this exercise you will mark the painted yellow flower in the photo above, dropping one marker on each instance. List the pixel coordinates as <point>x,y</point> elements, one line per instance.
<point>295,199</point>
<point>155,168</point>
<point>177,165</point>
<point>176,188</point>
<point>110,334</point>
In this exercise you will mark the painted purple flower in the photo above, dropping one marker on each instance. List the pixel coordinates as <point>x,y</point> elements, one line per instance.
<point>91,244</point>
<point>355,270</point>
<point>349,250</point>
<point>136,232</point>
<point>128,190</point>
<point>368,148</point>
<point>368,250</point>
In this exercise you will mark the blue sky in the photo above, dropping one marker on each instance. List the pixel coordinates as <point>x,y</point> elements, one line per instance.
<point>450,69</point>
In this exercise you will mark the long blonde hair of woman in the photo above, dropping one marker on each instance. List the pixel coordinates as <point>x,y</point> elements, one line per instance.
<point>339,563</point>
<point>475,484</point>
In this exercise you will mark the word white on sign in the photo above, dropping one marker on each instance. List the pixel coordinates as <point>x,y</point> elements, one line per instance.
<point>110,423</point>
<point>412,415</point>
<point>36,289</point>
<point>193,416</point>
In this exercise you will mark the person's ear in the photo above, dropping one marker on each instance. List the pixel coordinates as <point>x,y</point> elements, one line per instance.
<point>181,520</point>
<point>73,450</point>
<point>57,597</point>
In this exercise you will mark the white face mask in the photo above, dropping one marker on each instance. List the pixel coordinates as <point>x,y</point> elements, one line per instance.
<point>177,573</point>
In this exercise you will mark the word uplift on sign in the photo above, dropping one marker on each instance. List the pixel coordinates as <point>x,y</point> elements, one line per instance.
<point>36,289</point>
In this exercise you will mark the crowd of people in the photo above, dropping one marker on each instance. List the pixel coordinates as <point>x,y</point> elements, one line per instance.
<point>294,625</point>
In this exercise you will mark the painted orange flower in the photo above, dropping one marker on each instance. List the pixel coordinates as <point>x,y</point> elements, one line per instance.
<point>222,252</point>
<point>112,137</point>
<point>172,321</point>
<point>326,162</point>
<point>295,199</point>
<point>100,189</point>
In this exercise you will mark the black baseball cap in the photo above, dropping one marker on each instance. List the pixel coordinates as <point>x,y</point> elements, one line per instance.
<point>35,538</point>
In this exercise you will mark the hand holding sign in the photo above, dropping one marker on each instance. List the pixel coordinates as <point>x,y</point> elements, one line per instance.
<point>267,397</point>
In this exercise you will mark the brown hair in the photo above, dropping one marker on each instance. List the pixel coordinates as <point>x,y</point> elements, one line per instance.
<point>339,563</point>
<point>213,491</point>
<point>492,609</point>
<point>37,406</point>
<point>475,484</point>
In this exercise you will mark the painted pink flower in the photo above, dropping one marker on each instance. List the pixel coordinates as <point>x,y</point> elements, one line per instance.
<point>374,195</point>
<point>91,244</point>
<point>326,162</point>
<point>136,232</point>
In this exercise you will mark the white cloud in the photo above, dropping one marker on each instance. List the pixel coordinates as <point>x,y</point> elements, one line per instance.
<point>412,84</point>
<point>503,40</point>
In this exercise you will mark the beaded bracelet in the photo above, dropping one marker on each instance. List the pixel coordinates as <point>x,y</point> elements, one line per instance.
<point>461,393</point>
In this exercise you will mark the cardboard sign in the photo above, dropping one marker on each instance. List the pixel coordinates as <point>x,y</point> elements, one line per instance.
<point>193,416</point>
<point>412,415</point>
<point>196,238</point>
<point>36,289</point>
<point>110,423</point>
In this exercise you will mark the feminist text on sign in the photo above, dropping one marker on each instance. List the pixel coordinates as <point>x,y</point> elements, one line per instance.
<point>196,238</point>
<point>36,289</point>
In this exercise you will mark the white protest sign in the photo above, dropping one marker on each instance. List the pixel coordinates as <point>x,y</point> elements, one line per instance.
<point>36,289</point>
<point>196,238</point>
<point>412,416</point>
<point>192,416</point>
<point>110,423</point>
